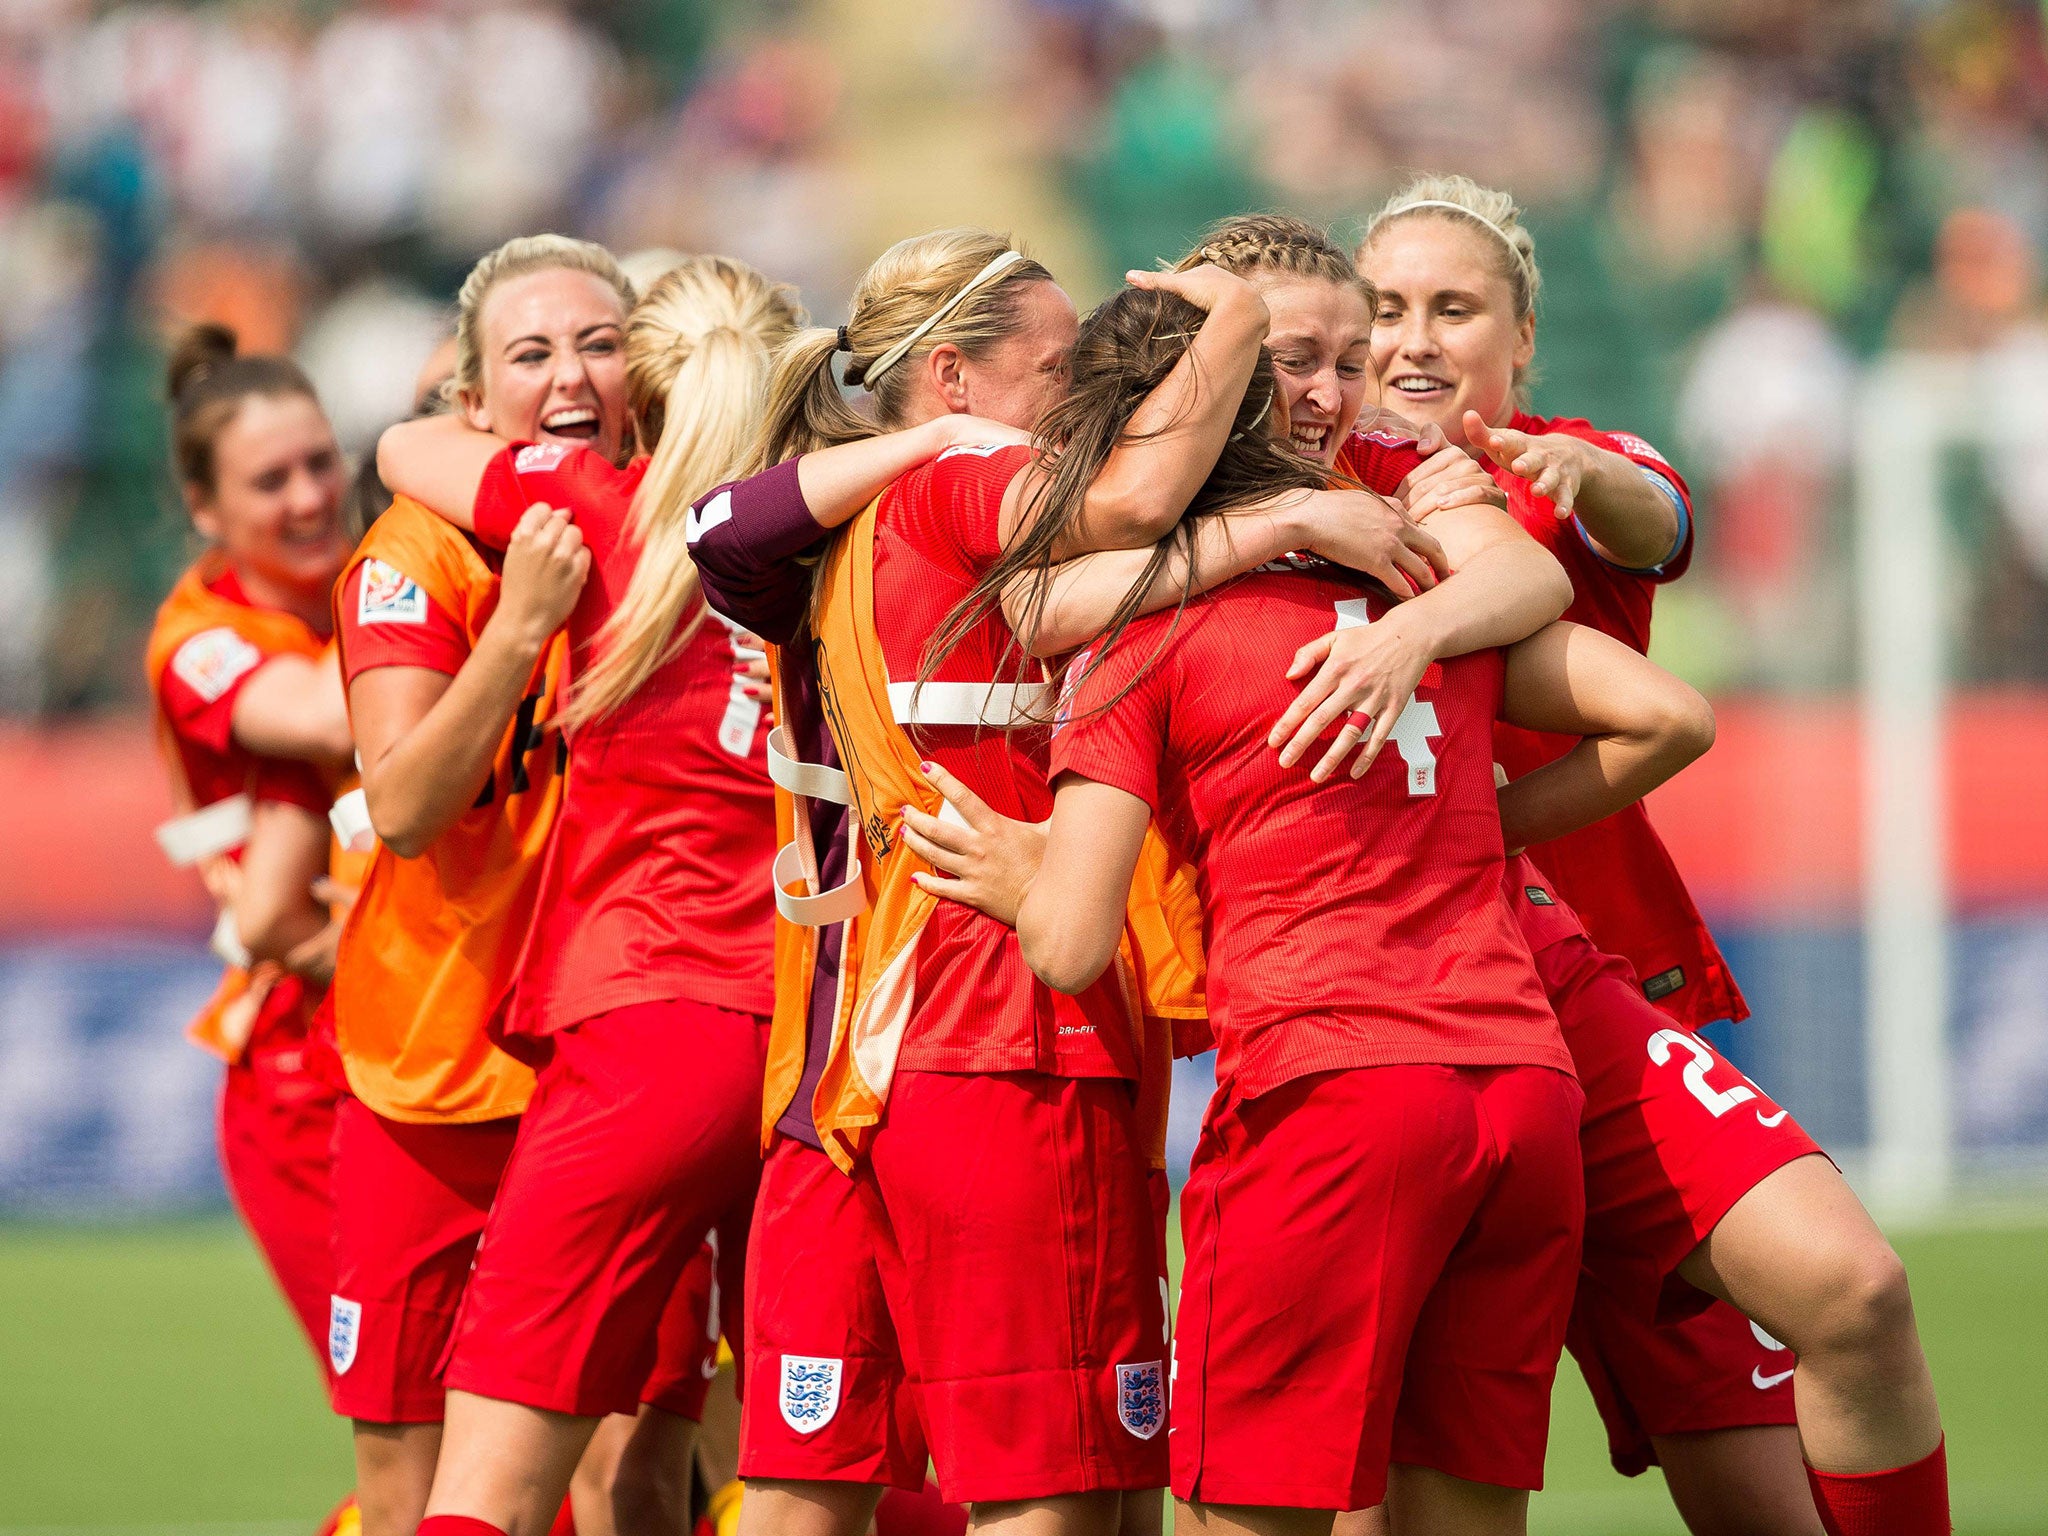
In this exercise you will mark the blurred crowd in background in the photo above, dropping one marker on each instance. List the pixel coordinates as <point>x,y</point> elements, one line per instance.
<point>1738,204</point>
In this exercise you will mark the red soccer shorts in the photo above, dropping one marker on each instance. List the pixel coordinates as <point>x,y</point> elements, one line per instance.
<point>1673,1137</point>
<point>1016,1249</point>
<point>686,1343</point>
<point>825,1399</point>
<point>409,1206</point>
<point>1713,1370</point>
<point>1673,1134</point>
<point>1380,1264</point>
<point>276,1132</point>
<point>641,1136</point>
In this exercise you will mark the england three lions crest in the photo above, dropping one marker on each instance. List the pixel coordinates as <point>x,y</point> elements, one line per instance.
<point>344,1332</point>
<point>1141,1398</point>
<point>810,1391</point>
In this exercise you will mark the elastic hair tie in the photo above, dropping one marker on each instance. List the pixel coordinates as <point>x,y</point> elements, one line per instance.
<point>842,344</point>
<point>895,354</point>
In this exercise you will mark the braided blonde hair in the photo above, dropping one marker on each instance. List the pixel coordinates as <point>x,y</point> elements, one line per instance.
<point>1274,242</point>
<point>698,352</point>
<point>518,258</point>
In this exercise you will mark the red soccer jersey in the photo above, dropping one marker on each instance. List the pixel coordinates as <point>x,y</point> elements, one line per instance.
<point>197,694</point>
<point>656,883</point>
<point>1378,460</point>
<point>979,1007</point>
<point>1617,872</point>
<point>1352,924</point>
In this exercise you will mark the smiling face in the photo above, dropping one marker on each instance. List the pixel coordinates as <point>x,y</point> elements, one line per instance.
<point>1321,341</point>
<point>1445,338</point>
<point>552,352</point>
<point>275,506</point>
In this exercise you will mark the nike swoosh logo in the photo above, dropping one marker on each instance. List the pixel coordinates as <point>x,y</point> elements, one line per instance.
<point>1770,1122</point>
<point>1764,1383</point>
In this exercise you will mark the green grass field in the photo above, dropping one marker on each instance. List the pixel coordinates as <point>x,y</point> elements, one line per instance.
<point>152,1385</point>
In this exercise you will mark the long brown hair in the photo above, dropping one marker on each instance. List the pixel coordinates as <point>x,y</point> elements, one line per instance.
<point>1127,347</point>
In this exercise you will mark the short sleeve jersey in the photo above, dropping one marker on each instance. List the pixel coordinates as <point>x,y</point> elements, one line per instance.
<point>1379,460</point>
<point>1617,872</point>
<point>1610,598</point>
<point>392,622</point>
<point>657,882</point>
<point>196,696</point>
<point>980,1008</point>
<point>1352,924</point>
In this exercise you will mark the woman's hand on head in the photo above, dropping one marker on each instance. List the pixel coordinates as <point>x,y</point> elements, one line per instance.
<point>1363,674</point>
<point>1208,287</point>
<point>1554,463</point>
<point>1367,533</point>
<point>545,567</point>
<point>988,864</point>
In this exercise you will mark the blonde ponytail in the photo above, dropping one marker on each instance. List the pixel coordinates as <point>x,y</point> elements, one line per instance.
<point>806,410</point>
<point>698,351</point>
<point>953,287</point>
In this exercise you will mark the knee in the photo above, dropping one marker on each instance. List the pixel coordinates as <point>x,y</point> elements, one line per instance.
<point>650,1497</point>
<point>1869,1306</point>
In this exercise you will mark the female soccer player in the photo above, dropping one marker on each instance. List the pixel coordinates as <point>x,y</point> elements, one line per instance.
<point>254,735</point>
<point>1021,1411</point>
<point>1353,1296</point>
<point>645,983</point>
<point>1454,336</point>
<point>456,668</point>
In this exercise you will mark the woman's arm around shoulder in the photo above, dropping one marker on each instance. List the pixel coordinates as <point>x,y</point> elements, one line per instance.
<point>1638,726</point>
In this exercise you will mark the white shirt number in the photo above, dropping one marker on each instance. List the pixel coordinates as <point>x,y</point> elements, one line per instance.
<point>1417,722</point>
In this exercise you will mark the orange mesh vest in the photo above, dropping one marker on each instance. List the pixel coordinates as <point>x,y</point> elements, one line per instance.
<point>224,1024</point>
<point>885,910</point>
<point>429,950</point>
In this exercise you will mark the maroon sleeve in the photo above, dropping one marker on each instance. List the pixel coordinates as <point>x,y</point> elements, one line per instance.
<point>200,686</point>
<point>1112,720</point>
<point>745,537</point>
<point>388,620</point>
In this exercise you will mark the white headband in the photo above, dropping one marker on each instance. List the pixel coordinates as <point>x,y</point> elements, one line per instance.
<point>894,355</point>
<point>1478,218</point>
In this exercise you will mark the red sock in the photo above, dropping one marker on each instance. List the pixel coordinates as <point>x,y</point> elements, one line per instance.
<point>457,1525</point>
<point>1907,1501</point>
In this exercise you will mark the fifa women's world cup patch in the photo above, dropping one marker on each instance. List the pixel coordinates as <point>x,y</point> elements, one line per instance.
<point>1141,1397</point>
<point>810,1391</point>
<point>213,660</point>
<point>344,1332</point>
<point>389,596</point>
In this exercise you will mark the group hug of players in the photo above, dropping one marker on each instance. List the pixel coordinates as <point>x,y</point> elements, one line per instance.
<point>1186,675</point>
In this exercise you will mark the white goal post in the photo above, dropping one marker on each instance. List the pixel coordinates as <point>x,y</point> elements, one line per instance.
<point>1911,408</point>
